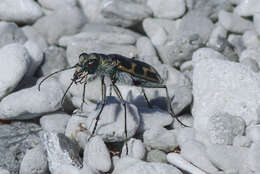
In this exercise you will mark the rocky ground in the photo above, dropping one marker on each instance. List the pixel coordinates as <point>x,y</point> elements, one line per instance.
<point>207,52</point>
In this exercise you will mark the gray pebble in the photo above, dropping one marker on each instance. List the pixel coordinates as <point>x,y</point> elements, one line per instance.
<point>34,161</point>
<point>3,171</point>
<point>124,13</point>
<point>25,12</point>
<point>251,57</point>
<point>247,8</point>
<point>170,9</point>
<point>154,117</point>
<point>214,40</point>
<point>227,157</point>
<point>36,55</point>
<point>156,156</point>
<point>61,22</point>
<point>250,63</point>
<point>106,37</point>
<point>32,34</point>
<point>133,166</point>
<point>30,103</point>
<point>223,128</point>
<point>251,39</point>
<point>54,60</point>
<point>236,42</point>
<point>16,138</point>
<point>96,155</point>
<point>136,149</point>
<point>95,27</point>
<point>15,61</point>
<point>56,122</point>
<point>195,153</point>
<point>57,4</point>
<point>10,33</point>
<point>61,152</point>
<point>160,138</point>
<point>233,22</point>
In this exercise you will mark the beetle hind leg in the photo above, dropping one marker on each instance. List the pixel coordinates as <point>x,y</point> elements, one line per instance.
<point>146,99</point>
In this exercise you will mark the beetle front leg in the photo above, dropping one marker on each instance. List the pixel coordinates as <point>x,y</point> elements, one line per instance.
<point>103,88</point>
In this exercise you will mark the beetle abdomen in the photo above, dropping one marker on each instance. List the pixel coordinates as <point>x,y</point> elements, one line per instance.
<point>137,68</point>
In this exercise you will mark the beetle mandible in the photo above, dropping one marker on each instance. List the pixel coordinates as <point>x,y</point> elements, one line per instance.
<point>118,69</point>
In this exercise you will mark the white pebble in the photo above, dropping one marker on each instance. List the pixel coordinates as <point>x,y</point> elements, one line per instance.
<point>15,61</point>
<point>178,161</point>
<point>96,155</point>
<point>233,22</point>
<point>136,149</point>
<point>248,7</point>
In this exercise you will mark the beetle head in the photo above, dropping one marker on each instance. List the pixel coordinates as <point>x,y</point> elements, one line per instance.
<point>88,64</point>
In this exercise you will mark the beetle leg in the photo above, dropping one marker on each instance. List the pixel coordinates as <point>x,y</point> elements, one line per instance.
<point>110,90</point>
<point>83,96</point>
<point>103,87</point>
<point>170,110</point>
<point>146,98</point>
<point>119,95</point>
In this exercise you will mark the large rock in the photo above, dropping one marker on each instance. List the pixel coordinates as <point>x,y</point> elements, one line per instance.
<point>57,4</point>
<point>20,11</point>
<point>220,87</point>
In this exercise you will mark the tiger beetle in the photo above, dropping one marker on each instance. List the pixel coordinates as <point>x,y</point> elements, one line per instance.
<point>117,68</point>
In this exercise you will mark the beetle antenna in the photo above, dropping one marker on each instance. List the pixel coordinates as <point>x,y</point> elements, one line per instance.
<point>63,97</point>
<point>39,86</point>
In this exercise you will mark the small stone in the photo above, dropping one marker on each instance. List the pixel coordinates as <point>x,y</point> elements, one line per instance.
<point>156,156</point>
<point>124,13</point>
<point>34,161</point>
<point>170,9</point>
<point>247,8</point>
<point>250,63</point>
<point>242,141</point>
<point>257,23</point>
<point>217,33</point>
<point>30,103</point>
<point>54,60</point>
<point>95,27</point>
<point>96,155</point>
<point>214,79</point>
<point>25,11</point>
<point>146,51</point>
<point>32,34</point>
<point>178,161</point>
<point>65,21</point>
<point>57,4</point>
<point>56,122</point>
<point>253,132</point>
<point>236,42</point>
<point>251,40</point>
<point>224,128</point>
<point>185,134</point>
<point>106,37</point>
<point>75,49</point>
<point>253,157</point>
<point>136,149</point>
<point>153,117</point>
<point>15,61</point>
<point>227,157</point>
<point>133,166</point>
<point>160,138</point>
<point>195,153</point>
<point>61,152</point>
<point>15,139</point>
<point>233,22</point>
<point>10,33</point>
<point>36,55</point>
<point>251,55</point>
<point>3,171</point>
